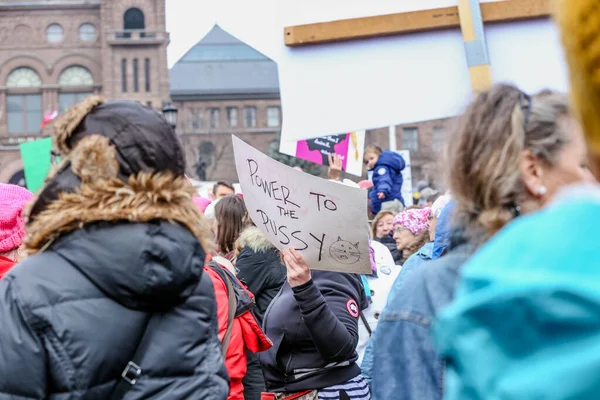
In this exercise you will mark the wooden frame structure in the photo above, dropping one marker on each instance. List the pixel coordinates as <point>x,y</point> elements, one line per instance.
<point>426,20</point>
<point>410,22</point>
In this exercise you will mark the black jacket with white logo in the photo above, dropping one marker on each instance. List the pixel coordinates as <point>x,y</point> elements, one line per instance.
<point>314,328</point>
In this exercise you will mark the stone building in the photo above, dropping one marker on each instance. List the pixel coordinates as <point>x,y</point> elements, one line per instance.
<point>53,53</point>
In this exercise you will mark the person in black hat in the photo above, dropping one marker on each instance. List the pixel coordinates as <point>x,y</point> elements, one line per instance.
<point>111,302</point>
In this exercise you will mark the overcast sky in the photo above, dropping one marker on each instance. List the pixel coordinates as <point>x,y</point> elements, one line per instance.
<point>181,14</point>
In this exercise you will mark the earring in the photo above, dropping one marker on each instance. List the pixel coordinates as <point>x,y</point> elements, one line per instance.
<point>542,190</point>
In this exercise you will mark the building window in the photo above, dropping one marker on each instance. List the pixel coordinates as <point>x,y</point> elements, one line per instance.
<point>23,78</point>
<point>273,116</point>
<point>147,73</point>
<point>136,83</point>
<point>232,116</point>
<point>87,32</point>
<point>215,115</point>
<point>124,75</point>
<point>68,100</point>
<point>410,139</point>
<point>196,118</point>
<point>76,76</point>
<point>437,139</point>
<point>250,117</point>
<point>24,113</point>
<point>134,19</point>
<point>54,33</point>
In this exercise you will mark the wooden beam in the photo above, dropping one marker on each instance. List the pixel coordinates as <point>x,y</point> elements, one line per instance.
<point>410,22</point>
<point>471,25</point>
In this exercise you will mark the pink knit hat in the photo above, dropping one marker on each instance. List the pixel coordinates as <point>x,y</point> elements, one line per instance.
<point>415,220</point>
<point>12,227</point>
<point>202,203</point>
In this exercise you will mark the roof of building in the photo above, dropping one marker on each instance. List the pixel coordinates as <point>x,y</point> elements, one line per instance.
<point>223,66</point>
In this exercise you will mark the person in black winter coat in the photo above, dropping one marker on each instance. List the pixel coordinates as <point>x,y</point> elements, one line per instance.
<point>313,323</point>
<point>259,267</point>
<point>112,302</point>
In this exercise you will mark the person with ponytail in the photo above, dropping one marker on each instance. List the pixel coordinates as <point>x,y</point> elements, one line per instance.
<point>509,155</point>
<point>527,310</point>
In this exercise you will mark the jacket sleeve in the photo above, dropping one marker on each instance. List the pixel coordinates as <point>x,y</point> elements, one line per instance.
<point>367,363</point>
<point>384,181</point>
<point>405,365</point>
<point>22,354</point>
<point>335,334</point>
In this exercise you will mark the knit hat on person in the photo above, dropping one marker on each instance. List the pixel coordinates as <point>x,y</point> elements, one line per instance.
<point>416,220</point>
<point>580,29</point>
<point>12,227</point>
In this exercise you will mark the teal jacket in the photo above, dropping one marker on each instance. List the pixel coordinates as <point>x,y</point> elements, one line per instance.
<point>525,323</point>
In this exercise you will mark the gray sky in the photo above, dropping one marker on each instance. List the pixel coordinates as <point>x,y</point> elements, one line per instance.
<point>183,14</point>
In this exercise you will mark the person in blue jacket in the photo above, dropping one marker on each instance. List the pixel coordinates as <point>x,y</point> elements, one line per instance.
<point>386,167</point>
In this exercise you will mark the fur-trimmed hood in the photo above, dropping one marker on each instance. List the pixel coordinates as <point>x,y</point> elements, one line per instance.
<point>253,238</point>
<point>131,170</point>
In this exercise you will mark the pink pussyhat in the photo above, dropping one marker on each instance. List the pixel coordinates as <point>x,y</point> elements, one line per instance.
<point>201,203</point>
<point>12,227</point>
<point>415,220</point>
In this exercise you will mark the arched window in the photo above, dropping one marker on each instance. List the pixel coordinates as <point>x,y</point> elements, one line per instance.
<point>23,101</point>
<point>74,77</point>
<point>23,78</point>
<point>134,19</point>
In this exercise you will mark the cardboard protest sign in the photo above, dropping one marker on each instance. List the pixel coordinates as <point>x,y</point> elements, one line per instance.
<point>324,220</point>
<point>37,157</point>
<point>349,146</point>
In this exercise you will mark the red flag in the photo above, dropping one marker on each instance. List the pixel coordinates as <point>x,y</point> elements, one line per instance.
<point>48,117</point>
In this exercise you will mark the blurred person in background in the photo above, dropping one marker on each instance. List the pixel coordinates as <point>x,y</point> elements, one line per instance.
<point>230,219</point>
<point>12,227</point>
<point>509,155</point>
<point>222,189</point>
<point>386,169</point>
<point>530,318</point>
<point>383,232</point>
<point>411,233</point>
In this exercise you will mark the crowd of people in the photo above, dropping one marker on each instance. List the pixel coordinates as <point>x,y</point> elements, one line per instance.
<point>117,281</point>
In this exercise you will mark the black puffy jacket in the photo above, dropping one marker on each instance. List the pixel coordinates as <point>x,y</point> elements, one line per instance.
<point>73,315</point>
<point>259,266</point>
<point>314,329</point>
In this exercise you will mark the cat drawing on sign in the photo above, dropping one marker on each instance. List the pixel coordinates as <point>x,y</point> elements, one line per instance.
<point>344,252</point>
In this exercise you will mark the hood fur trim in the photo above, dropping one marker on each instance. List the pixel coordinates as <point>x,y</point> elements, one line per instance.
<point>255,239</point>
<point>146,197</point>
<point>70,120</point>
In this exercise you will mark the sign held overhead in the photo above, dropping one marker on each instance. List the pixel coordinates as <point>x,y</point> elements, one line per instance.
<point>325,221</point>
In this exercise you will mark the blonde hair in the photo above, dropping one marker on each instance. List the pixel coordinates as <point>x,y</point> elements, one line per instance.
<point>378,218</point>
<point>485,153</point>
<point>373,149</point>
